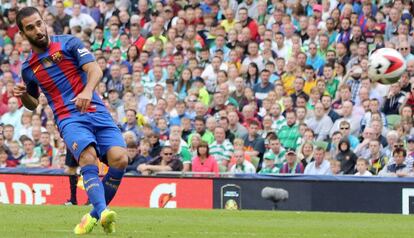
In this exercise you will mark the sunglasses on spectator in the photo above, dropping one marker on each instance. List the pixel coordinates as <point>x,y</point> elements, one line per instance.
<point>344,128</point>
<point>405,48</point>
<point>167,154</point>
<point>398,146</point>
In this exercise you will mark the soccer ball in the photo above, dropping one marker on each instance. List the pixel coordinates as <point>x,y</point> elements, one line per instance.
<point>386,66</point>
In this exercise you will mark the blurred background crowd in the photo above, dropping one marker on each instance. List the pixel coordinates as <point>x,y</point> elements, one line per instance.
<point>239,86</point>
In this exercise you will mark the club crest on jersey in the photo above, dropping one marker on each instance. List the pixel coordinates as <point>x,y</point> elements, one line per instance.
<point>47,62</point>
<point>57,57</point>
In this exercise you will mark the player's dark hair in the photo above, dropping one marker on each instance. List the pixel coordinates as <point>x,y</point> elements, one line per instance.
<point>23,13</point>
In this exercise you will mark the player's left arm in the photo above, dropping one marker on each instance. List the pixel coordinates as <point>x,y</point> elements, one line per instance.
<point>83,99</point>
<point>86,61</point>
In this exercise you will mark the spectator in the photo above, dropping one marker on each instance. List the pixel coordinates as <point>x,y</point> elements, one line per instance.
<point>289,133</point>
<point>362,166</point>
<point>298,90</point>
<point>180,152</point>
<point>253,143</point>
<point>398,168</point>
<point>45,148</point>
<point>203,162</point>
<point>224,123</point>
<point>394,100</point>
<point>154,139</point>
<point>319,166</point>
<point>15,154</point>
<point>30,159</point>
<point>235,127</point>
<point>195,142</point>
<point>164,163</point>
<point>349,116</point>
<point>335,167</point>
<point>8,133</point>
<point>14,115</point>
<point>291,166</point>
<point>45,161</point>
<point>137,157</point>
<point>242,165</point>
<point>269,166</point>
<point>230,63</point>
<point>345,128</point>
<point>306,153</point>
<point>221,149</point>
<point>346,156</point>
<point>276,148</point>
<point>377,160</point>
<point>4,162</point>
<point>200,128</point>
<point>333,145</point>
<point>264,87</point>
<point>320,123</point>
<point>62,19</point>
<point>83,20</point>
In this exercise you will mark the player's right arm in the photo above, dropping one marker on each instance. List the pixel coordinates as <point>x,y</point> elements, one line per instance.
<point>28,91</point>
<point>29,101</point>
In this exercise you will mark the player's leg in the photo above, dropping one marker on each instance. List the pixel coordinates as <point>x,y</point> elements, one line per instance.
<point>117,162</point>
<point>72,166</point>
<point>73,182</point>
<point>111,145</point>
<point>78,134</point>
<point>93,186</point>
<point>88,161</point>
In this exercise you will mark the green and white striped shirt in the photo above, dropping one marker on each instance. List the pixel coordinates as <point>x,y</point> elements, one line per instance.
<point>222,151</point>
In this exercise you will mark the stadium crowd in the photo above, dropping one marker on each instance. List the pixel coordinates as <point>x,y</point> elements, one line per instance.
<point>239,86</point>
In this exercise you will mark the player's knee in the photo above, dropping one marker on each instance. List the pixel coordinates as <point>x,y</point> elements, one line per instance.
<point>117,158</point>
<point>121,161</point>
<point>88,156</point>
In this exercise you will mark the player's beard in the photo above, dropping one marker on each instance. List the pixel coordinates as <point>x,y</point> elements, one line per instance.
<point>41,41</point>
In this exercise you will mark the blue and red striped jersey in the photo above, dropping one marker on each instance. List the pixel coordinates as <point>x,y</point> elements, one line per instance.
<point>58,72</point>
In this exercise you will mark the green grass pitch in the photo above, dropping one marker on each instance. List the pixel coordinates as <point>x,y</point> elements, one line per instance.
<point>58,221</point>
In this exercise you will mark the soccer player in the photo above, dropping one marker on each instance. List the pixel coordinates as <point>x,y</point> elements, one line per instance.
<point>72,166</point>
<point>67,74</point>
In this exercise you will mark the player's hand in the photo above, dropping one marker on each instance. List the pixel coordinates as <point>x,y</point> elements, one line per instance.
<point>83,100</point>
<point>19,90</point>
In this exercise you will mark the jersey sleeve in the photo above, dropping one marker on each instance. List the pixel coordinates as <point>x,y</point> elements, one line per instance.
<point>77,49</point>
<point>31,86</point>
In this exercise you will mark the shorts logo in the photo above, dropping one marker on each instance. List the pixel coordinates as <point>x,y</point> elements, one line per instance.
<point>74,146</point>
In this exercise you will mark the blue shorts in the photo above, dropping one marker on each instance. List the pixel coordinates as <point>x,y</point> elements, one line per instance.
<point>97,129</point>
